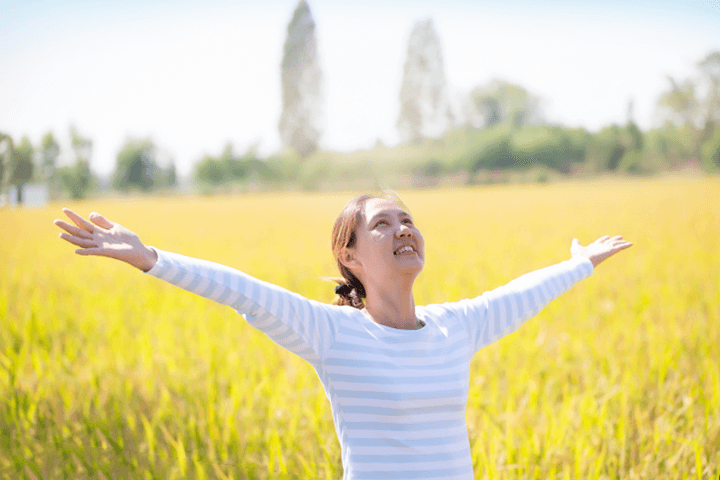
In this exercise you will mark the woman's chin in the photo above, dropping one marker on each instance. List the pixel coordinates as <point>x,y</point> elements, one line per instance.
<point>411,264</point>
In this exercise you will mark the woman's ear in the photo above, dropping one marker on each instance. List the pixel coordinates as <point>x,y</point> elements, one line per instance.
<point>347,258</point>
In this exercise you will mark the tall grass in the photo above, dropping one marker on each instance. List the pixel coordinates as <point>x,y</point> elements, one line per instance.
<point>109,373</point>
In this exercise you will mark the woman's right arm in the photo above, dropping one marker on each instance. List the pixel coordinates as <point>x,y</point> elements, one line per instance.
<point>302,326</point>
<point>106,239</point>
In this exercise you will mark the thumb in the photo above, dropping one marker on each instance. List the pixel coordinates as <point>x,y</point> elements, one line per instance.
<point>575,245</point>
<point>101,221</point>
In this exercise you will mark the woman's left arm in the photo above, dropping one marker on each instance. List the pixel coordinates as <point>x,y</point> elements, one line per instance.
<point>501,311</point>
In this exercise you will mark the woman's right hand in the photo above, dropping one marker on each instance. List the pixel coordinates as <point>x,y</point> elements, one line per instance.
<point>106,239</point>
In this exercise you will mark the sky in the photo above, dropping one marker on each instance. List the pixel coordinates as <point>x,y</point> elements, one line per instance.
<point>194,76</point>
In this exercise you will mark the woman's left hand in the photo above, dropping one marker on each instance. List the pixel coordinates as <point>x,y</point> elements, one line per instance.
<point>600,249</point>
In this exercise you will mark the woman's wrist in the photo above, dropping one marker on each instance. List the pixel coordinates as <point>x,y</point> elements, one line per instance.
<point>148,259</point>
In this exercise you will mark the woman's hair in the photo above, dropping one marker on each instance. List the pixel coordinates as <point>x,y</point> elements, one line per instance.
<point>350,290</point>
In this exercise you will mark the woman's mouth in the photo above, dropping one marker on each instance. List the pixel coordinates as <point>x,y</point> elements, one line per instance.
<point>405,250</point>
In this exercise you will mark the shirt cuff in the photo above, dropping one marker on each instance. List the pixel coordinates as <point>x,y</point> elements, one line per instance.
<point>158,267</point>
<point>584,264</point>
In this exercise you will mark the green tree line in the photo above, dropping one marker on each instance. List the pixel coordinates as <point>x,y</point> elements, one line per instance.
<point>504,131</point>
<point>136,168</point>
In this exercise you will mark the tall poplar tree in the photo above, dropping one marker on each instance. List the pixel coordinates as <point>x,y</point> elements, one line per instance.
<point>424,106</point>
<point>301,84</point>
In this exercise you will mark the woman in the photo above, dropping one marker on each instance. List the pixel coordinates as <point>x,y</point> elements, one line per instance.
<point>396,374</point>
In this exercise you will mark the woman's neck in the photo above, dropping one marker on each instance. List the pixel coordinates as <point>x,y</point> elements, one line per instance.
<point>392,306</point>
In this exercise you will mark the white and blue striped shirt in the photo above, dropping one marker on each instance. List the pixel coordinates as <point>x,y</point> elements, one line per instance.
<point>398,397</point>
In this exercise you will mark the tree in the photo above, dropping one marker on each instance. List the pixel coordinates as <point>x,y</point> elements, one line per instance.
<point>49,151</point>
<point>710,81</point>
<point>710,105</point>
<point>81,145</point>
<point>301,83</point>
<point>210,171</point>
<point>695,104</point>
<point>6,148</point>
<point>424,105</point>
<point>170,176</point>
<point>137,166</point>
<point>679,105</point>
<point>501,102</point>
<point>21,166</point>
<point>77,178</point>
<point>229,168</point>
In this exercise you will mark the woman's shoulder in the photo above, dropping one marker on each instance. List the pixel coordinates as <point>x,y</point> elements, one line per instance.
<point>439,312</point>
<point>340,313</point>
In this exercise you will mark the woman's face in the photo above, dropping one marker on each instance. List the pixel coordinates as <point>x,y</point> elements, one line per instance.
<point>387,242</point>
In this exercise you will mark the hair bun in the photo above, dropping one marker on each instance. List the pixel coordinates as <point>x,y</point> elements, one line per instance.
<point>344,290</point>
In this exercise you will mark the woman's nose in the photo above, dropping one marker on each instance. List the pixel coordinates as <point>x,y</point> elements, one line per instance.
<point>404,231</point>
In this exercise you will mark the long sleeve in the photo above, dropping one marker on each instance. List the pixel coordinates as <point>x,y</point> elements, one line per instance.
<point>302,326</point>
<point>500,312</point>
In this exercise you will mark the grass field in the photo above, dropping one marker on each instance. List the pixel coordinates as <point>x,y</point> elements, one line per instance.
<point>109,373</point>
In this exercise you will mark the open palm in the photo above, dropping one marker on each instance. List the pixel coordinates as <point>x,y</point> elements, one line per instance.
<point>106,239</point>
<point>600,249</point>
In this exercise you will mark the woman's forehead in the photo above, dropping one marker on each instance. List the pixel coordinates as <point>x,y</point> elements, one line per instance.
<point>380,206</point>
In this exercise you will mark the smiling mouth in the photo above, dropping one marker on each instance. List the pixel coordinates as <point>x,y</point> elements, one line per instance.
<point>406,250</point>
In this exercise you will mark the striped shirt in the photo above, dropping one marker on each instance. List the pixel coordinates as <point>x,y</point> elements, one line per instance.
<point>398,397</point>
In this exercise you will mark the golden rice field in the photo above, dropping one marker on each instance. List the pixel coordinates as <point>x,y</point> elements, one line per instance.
<point>109,373</point>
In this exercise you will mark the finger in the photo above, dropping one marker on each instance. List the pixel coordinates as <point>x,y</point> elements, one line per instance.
<point>101,221</point>
<point>79,221</point>
<point>620,246</point>
<point>616,237</point>
<point>602,239</point>
<point>71,229</point>
<point>575,242</point>
<point>89,251</point>
<point>80,242</point>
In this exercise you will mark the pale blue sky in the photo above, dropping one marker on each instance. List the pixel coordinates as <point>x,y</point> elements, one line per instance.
<point>195,75</point>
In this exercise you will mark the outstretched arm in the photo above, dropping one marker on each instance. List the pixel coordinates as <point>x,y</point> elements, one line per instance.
<point>304,327</point>
<point>501,311</point>
<point>106,239</point>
